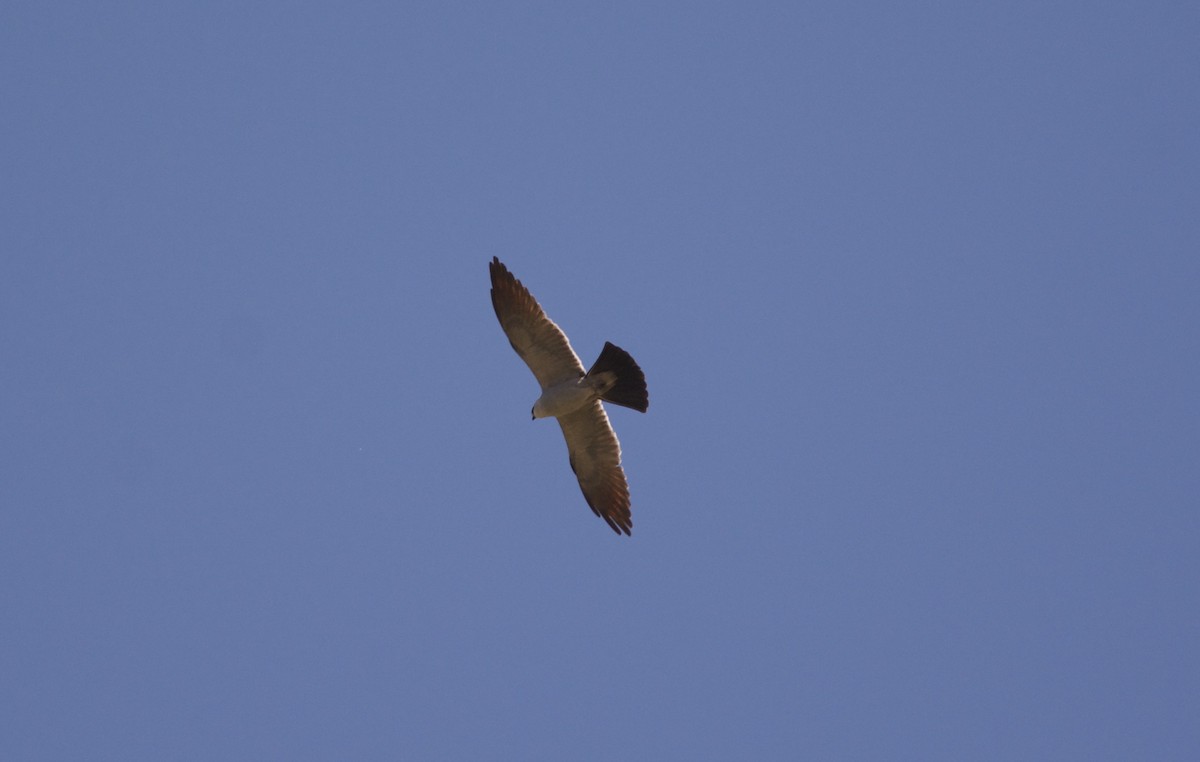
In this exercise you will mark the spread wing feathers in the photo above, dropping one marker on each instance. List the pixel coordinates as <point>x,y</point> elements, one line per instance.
<point>539,342</point>
<point>596,461</point>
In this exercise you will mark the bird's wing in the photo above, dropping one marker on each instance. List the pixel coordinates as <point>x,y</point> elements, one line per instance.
<point>539,342</point>
<point>596,461</point>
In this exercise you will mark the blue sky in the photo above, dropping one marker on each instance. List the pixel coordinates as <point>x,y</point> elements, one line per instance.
<point>914,288</point>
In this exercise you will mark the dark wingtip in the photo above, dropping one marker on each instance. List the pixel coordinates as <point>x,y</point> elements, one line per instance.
<point>504,286</point>
<point>618,517</point>
<point>620,527</point>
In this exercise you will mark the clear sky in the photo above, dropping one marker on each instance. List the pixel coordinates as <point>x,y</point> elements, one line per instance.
<point>916,288</point>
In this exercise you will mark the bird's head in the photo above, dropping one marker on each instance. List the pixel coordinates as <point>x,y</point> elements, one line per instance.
<point>539,409</point>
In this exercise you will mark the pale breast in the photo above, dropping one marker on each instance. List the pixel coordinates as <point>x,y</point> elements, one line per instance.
<point>563,398</point>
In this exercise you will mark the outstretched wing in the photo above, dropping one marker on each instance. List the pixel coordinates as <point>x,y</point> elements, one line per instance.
<point>596,461</point>
<point>539,342</point>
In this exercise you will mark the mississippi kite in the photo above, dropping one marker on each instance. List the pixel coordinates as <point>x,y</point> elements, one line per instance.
<point>573,396</point>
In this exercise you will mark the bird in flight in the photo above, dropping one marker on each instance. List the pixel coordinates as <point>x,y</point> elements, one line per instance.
<point>573,396</point>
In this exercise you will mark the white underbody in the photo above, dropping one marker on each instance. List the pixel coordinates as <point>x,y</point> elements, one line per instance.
<point>566,397</point>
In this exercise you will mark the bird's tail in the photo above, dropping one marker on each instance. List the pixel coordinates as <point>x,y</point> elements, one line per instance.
<point>628,382</point>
